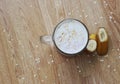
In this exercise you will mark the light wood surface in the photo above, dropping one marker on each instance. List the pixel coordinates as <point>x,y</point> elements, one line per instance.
<point>25,60</point>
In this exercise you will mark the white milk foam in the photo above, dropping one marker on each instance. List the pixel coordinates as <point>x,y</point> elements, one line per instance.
<point>70,36</point>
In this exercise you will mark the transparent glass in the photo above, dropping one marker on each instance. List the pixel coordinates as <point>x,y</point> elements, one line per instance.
<point>49,39</point>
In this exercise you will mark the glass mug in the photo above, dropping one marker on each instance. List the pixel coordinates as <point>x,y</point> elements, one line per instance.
<point>70,37</point>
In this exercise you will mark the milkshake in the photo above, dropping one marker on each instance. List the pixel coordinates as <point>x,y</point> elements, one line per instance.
<point>70,36</point>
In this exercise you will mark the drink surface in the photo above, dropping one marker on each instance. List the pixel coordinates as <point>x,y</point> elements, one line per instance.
<point>70,36</point>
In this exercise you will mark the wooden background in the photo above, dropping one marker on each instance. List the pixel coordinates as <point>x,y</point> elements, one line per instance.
<point>25,60</point>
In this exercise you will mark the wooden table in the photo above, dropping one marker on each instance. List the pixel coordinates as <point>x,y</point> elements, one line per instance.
<point>25,60</point>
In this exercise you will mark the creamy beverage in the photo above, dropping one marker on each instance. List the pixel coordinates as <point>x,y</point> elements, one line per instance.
<point>70,36</point>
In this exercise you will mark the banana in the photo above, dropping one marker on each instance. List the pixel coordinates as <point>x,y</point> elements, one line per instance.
<point>92,44</point>
<point>93,36</point>
<point>102,41</point>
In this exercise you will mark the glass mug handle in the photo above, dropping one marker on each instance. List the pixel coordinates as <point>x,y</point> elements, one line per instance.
<point>46,39</point>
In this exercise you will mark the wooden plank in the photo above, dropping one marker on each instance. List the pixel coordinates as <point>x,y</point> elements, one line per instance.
<point>25,60</point>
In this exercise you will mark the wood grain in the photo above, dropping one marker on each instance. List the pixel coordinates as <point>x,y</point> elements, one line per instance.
<point>25,60</point>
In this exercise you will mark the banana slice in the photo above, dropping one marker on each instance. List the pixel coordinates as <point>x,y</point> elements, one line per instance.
<point>102,41</point>
<point>92,45</point>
